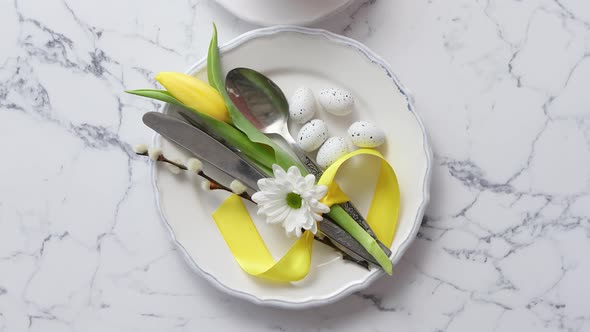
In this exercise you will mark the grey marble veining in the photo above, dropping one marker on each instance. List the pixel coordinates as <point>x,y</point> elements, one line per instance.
<point>501,84</point>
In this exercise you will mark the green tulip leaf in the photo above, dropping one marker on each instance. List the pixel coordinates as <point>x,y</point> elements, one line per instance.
<point>161,95</point>
<point>216,79</point>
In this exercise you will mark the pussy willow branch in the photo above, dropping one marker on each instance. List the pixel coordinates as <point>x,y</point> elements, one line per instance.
<point>215,185</point>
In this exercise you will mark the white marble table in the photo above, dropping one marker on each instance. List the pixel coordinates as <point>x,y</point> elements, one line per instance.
<point>503,87</point>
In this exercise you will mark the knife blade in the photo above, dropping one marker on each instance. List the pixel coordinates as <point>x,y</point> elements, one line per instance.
<point>204,147</point>
<point>234,165</point>
<point>196,121</point>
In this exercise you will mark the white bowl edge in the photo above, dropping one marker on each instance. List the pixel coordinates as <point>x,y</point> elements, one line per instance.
<point>265,22</point>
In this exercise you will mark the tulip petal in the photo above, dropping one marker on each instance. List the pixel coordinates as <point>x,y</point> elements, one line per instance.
<point>195,94</point>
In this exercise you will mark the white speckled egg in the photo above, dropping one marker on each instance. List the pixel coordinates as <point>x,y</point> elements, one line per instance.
<point>312,135</point>
<point>334,148</point>
<point>336,101</point>
<point>302,105</point>
<point>365,134</point>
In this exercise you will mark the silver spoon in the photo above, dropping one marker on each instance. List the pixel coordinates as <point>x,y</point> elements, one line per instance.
<point>262,102</point>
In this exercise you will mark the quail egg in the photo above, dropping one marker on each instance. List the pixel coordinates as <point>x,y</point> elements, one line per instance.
<point>366,134</point>
<point>312,135</point>
<point>333,148</point>
<point>336,101</point>
<point>302,106</point>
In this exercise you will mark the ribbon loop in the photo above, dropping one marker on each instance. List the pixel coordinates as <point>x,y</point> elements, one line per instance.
<point>248,247</point>
<point>384,209</point>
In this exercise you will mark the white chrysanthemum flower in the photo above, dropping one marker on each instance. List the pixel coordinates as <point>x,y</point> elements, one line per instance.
<point>140,148</point>
<point>292,200</point>
<point>194,165</point>
<point>154,153</point>
<point>206,185</point>
<point>237,187</point>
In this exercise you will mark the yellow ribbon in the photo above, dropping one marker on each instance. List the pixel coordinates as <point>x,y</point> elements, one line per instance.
<point>248,248</point>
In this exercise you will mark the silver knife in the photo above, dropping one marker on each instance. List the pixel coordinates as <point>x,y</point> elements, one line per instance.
<point>204,147</point>
<point>229,162</point>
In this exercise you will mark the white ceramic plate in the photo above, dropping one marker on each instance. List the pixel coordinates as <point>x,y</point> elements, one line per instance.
<point>294,56</point>
<point>273,12</point>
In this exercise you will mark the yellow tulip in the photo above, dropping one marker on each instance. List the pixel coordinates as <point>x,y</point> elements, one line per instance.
<point>195,94</point>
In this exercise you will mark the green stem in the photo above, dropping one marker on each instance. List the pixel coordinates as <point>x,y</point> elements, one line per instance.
<point>258,153</point>
<point>358,233</point>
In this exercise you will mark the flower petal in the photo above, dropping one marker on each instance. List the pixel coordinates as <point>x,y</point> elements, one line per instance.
<point>293,172</point>
<point>280,217</point>
<point>320,191</point>
<point>317,217</point>
<point>278,172</point>
<point>309,181</point>
<point>314,228</point>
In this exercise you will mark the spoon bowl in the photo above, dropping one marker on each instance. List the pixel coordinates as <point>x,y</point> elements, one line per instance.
<point>259,99</point>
